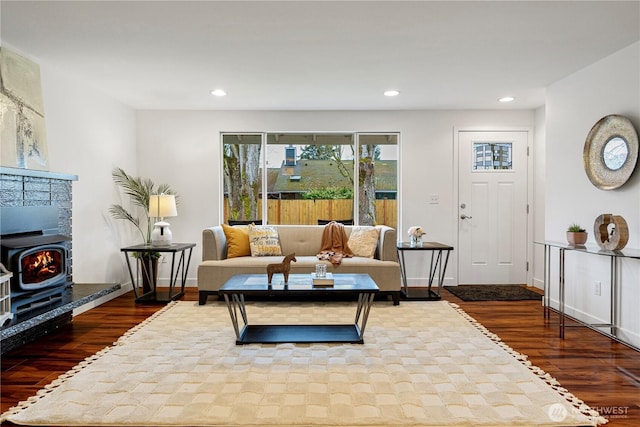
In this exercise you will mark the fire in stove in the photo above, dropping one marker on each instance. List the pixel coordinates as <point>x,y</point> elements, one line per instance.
<point>41,266</point>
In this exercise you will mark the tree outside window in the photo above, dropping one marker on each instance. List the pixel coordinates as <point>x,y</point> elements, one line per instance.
<point>242,176</point>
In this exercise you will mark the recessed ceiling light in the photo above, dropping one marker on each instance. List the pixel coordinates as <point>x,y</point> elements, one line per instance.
<point>218,92</point>
<point>392,92</point>
<point>506,99</point>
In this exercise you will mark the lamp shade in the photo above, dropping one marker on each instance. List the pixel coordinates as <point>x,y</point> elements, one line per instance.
<point>162,206</point>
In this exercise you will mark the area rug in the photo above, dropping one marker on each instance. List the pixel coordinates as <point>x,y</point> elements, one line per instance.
<point>422,364</point>
<point>493,293</point>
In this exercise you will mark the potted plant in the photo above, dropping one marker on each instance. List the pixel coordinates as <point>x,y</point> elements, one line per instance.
<point>576,235</point>
<point>139,189</point>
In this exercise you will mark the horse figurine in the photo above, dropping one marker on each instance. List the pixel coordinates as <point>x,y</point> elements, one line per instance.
<point>283,267</point>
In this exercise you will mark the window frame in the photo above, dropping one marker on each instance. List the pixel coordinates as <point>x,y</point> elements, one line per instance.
<point>263,194</point>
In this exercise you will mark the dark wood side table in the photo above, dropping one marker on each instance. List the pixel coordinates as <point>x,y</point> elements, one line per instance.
<point>439,260</point>
<point>181,251</point>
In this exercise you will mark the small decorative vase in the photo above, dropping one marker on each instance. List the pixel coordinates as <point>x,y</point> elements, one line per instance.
<point>416,240</point>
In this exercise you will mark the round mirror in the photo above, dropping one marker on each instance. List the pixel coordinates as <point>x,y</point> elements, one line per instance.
<point>615,153</point>
<point>611,152</point>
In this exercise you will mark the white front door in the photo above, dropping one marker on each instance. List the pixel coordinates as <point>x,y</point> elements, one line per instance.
<point>492,207</point>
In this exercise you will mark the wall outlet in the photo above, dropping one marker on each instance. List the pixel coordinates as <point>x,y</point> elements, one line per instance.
<point>597,289</point>
<point>434,199</point>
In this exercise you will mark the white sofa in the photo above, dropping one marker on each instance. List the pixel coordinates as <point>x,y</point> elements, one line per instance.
<point>303,240</point>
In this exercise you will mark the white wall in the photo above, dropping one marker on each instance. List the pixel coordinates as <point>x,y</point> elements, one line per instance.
<point>88,134</point>
<point>182,148</point>
<point>538,209</point>
<point>574,104</point>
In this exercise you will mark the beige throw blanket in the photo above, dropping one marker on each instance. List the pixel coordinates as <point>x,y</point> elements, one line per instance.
<point>334,245</point>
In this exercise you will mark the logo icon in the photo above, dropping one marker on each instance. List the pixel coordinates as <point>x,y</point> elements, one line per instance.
<point>557,412</point>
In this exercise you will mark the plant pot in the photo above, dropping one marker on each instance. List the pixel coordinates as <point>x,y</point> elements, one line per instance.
<point>149,273</point>
<point>577,237</point>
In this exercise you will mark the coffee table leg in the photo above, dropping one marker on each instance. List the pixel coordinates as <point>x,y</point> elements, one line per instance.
<point>365,301</point>
<point>243,310</point>
<point>235,304</point>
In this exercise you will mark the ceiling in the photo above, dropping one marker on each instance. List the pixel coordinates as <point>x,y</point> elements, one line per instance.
<point>319,55</point>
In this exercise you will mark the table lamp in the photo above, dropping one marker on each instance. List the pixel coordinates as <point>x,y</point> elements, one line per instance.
<point>160,207</point>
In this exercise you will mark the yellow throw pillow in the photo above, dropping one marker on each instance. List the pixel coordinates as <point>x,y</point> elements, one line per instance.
<point>237,241</point>
<point>363,241</point>
<point>264,240</point>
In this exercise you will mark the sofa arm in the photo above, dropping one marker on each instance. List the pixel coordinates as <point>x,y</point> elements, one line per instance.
<point>214,244</point>
<point>387,245</point>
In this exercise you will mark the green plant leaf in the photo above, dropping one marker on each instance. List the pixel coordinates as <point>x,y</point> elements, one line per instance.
<point>138,190</point>
<point>575,228</point>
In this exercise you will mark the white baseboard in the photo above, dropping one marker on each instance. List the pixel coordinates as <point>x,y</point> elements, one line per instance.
<point>539,284</point>
<point>99,301</point>
<point>420,282</point>
<point>624,334</point>
<point>576,313</point>
<point>190,283</point>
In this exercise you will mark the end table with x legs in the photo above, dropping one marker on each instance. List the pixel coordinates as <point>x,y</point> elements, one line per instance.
<point>179,251</point>
<point>438,266</point>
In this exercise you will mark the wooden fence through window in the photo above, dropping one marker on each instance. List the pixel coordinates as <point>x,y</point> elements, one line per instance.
<point>310,211</point>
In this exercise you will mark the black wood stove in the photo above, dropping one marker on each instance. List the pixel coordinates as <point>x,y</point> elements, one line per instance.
<point>37,255</point>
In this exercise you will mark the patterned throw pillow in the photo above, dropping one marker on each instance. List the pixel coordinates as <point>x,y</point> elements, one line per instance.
<point>237,240</point>
<point>264,241</point>
<point>363,241</point>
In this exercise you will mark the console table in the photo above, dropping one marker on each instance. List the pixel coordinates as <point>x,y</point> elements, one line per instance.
<point>182,251</point>
<point>614,257</point>
<point>439,260</point>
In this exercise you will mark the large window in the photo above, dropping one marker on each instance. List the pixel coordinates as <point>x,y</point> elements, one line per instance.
<point>307,178</point>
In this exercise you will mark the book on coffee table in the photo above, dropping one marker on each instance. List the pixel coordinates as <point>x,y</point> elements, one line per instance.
<point>326,281</point>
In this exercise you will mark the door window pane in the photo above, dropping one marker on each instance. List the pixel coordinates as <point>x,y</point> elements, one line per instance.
<point>492,156</point>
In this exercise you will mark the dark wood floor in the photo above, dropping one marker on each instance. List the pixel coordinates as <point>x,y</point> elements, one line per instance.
<point>602,372</point>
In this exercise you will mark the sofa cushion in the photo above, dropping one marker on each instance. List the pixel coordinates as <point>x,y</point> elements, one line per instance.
<point>363,241</point>
<point>264,240</point>
<point>237,241</point>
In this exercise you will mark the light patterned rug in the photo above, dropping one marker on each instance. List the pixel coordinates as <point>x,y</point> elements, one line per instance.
<point>422,364</point>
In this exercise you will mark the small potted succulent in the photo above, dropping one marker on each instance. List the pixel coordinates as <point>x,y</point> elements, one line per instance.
<point>576,235</point>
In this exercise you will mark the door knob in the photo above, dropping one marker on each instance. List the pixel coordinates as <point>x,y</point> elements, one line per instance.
<point>463,216</point>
